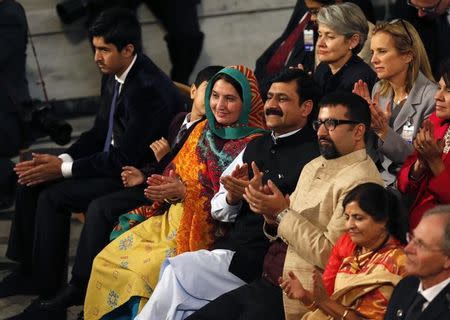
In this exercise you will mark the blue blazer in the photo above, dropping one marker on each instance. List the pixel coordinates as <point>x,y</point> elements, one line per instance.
<point>147,102</point>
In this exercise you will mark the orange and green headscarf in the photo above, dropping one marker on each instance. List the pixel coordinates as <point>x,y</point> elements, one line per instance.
<point>251,119</point>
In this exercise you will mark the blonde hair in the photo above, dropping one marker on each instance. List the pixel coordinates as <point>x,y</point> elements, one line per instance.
<point>406,40</point>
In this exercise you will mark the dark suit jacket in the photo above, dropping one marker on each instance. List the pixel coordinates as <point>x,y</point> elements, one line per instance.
<point>147,102</point>
<point>298,55</point>
<point>353,70</point>
<point>13,44</point>
<point>404,294</point>
<point>434,33</point>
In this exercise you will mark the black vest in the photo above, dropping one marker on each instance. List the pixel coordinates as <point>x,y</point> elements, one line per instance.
<point>281,161</point>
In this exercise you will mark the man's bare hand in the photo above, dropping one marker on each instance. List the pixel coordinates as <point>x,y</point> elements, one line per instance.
<point>160,148</point>
<point>256,181</point>
<point>239,180</point>
<point>24,166</point>
<point>43,168</point>
<point>131,176</point>
<point>266,200</point>
<point>235,184</point>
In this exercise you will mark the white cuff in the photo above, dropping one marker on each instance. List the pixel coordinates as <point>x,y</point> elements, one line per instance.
<point>65,157</point>
<point>222,211</point>
<point>66,169</point>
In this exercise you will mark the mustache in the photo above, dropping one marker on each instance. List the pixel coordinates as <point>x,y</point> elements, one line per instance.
<point>325,139</point>
<point>274,111</point>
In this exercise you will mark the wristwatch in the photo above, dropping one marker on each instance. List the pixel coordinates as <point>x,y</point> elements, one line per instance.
<point>281,215</point>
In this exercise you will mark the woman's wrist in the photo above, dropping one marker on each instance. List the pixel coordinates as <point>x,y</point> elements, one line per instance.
<point>183,188</point>
<point>332,308</point>
<point>309,302</point>
<point>173,200</point>
<point>311,306</point>
<point>436,166</point>
<point>382,133</point>
<point>417,170</point>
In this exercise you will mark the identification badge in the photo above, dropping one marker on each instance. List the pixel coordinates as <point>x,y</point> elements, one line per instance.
<point>408,133</point>
<point>308,40</point>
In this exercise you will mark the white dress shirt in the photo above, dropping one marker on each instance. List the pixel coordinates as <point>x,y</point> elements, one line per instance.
<point>221,210</point>
<point>432,292</point>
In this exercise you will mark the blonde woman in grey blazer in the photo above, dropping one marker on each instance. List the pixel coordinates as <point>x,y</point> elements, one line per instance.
<point>403,97</point>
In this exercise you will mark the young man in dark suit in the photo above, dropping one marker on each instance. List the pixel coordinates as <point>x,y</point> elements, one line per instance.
<point>138,101</point>
<point>425,293</point>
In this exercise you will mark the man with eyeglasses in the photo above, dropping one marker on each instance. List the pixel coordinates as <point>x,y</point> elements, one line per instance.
<point>304,229</point>
<point>426,7</point>
<point>431,18</point>
<point>425,293</point>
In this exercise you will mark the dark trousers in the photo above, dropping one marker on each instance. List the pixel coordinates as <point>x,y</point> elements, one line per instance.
<point>41,225</point>
<point>101,216</point>
<point>254,301</point>
<point>10,134</point>
<point>184,38</point>
<point>10,143</point>
<point>7,182</point>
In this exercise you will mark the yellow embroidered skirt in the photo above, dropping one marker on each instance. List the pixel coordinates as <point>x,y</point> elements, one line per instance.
<point>129,265</point>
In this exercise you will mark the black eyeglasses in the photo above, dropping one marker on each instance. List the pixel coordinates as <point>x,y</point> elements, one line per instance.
<point>404,27</point>
<point>431,9</point>
<point>331,124</point>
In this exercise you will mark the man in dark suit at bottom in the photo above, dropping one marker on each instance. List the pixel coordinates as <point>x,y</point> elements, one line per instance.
<point>425,293</point>
<point>138,102</point>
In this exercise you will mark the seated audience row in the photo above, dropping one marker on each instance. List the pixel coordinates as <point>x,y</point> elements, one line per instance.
<point>225,228</point>
<point>238,257</point>
<point>313,220</point>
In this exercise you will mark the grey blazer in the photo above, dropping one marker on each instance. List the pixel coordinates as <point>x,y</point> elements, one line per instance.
<point>417,107</point>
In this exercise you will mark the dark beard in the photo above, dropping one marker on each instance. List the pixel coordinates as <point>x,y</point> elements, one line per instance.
<point>329,151</point>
